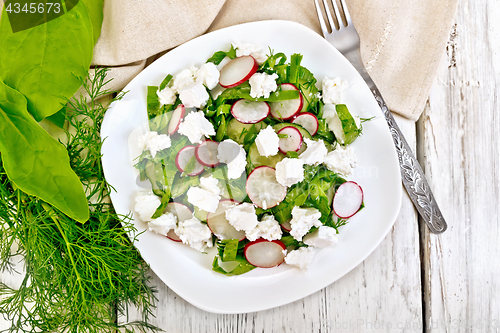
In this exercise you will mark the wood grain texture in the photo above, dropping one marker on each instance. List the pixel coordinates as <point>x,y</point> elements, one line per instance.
<point>383,292</point>
<point>459,142</point>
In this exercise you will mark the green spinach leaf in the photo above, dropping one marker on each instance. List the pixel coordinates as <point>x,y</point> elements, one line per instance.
<point>34,161</point>
<point>45,62</point>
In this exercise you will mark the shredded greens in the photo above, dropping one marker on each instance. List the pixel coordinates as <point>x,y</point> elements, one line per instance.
<point>78,277</point>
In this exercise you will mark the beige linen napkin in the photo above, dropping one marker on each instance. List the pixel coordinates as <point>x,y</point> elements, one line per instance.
<point>402,42</point>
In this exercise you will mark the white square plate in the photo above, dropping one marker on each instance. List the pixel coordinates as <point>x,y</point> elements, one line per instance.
<point>188,272</point>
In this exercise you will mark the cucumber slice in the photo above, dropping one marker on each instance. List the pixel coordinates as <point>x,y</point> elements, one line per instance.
<point>341,123</point>
<point>257,160</point>
<point>200,214</point>
<point>236,130</point>
<point>309,92</point>
<point>156,176</point>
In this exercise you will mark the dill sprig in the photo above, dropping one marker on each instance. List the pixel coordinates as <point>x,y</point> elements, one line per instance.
<point>78,277</point>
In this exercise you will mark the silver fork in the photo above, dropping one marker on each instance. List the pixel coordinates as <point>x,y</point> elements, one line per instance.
<point>346,40</point>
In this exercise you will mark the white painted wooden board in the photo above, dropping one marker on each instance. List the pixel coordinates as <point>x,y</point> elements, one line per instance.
<point>384,292</point>
<point>459,136</point>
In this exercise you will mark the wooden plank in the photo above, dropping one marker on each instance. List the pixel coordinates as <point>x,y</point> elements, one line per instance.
<point>459,137</point>
<point>382,293</point>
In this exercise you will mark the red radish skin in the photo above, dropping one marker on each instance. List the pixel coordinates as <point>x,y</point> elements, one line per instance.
<point>206,153</point>
<point>265,254</point>
<point>184,156</point>
<point>219,225</point>
<point>237,71</point>
<point>177,116</point>
<point>173,236</point>
<point>182,212</point>
<point>347,200</point>
<point>250,112</point>
<point>263,189</point>
<point>286,226</point>
<point>287,109</point>
<point>308,121</point>
<point>293,142</point>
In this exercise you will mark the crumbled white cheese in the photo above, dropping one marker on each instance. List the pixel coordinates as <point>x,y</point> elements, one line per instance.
<point>324,236</point>
<point>290,171</point>
<point>195,126</point>
<point>195,234</point>
<point>154,142</point>
<point>146,204</point>
<point>315,152</point>
<point>301,257</point>
<point>208,74</point>
<point>184,78</point>
<point>203,199</point>
<point>234,156</point>
<point>210,184</point>
<point>256,51</point>
<point>195,95</point>
<point>267,142</point>
<point>163,224</point>
<point>242,216</point>
<point>302,221</point>
<point>166,95</point>
<point>341,160</point>
<point>332,90</point>
<point>268,228</point>
<point>262,84</point>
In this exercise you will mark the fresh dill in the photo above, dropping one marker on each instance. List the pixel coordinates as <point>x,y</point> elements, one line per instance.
<point>79,277</point>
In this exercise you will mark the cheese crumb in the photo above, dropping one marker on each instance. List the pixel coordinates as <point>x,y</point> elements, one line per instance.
<point>195,126</point>
<point>154,142</point>
<point>315,153</point>
<point>242,216</point>
<point>301,257</point>
<point>332,90</point>
<point>341,160</point>
<point>268,228</point>
<point>163,224</point>
<point>262,84</point>
<point>267,142</point>
<point>303,219</point>
<point>146,204</point>
<point>195,234</point>
<point>234,156</point>
<point>290,171</point>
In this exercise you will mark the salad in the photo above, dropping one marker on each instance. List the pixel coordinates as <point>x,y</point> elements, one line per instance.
<point>248,155</point>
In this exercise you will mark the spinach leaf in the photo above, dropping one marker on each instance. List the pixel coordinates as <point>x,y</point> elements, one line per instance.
<point>217,57</point>
<point>45,62</point>
<point>152,100</point>
<point>34,161</point>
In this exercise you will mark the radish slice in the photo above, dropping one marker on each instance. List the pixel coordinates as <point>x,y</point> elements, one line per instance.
<point>286,109</point>
<point>293,142</point>
<point>176,119</point>
<point>182,212</point>
<point>237,71</point>
<point>286,226</point>
<point>308,121</point>
<point>220,226</point>
<point>264,253</point>
<point>347,200</point>
<point>184,156</point>
<point>206,153</point>
<point>249,112</point>
<point>263,188</point>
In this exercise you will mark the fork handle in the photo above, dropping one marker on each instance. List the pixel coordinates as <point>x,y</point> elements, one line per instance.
<point>411,173</point>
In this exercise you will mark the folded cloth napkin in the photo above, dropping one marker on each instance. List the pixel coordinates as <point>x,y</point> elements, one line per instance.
<point>401,42</point>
